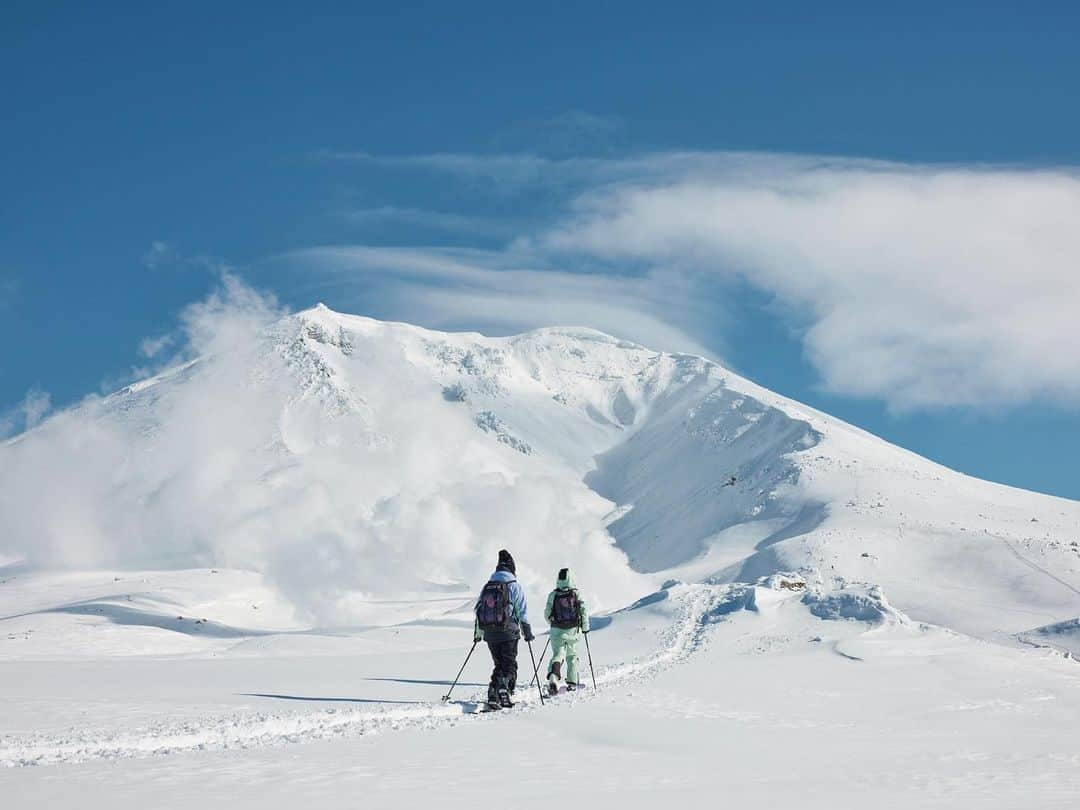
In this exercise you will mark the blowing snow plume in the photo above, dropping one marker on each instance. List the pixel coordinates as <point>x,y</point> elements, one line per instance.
<point>317,450</point>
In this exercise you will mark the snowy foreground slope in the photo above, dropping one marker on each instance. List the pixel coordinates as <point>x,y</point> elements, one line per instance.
<point>249,580</point>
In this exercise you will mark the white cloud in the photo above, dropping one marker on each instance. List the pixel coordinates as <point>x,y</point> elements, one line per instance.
<point>159,254</point>
<point>524,169</point>
<point>28,414</point>
<point>227,318</point>
<point>921,286</point>
<point>513,169</point>
<point>35,406</point>
<point>162,254</point>
<point>502,292</point>
<point>152,347</point>
<point>515,172</point>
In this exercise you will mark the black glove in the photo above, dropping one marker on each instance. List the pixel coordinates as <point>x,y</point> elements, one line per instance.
<point>526,631</point>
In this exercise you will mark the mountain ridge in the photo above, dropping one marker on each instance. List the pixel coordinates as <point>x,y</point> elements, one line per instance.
<point>327,450</point>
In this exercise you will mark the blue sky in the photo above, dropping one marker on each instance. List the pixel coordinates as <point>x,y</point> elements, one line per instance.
<point>867,211</point>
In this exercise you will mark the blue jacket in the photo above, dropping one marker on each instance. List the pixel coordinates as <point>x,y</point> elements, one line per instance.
<point>517,597</point>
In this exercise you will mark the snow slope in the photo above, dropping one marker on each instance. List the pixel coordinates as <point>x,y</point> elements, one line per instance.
<point>279,543</point>
<point>746,692</point>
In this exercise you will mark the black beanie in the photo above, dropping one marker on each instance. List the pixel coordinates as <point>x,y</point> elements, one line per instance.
<point>506,562</point>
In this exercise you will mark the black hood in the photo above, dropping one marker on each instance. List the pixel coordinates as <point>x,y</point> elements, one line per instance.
<point>506,562</point>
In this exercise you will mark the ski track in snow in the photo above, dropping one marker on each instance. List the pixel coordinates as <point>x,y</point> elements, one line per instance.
<point>1036,567</point>
<point>255,730</point>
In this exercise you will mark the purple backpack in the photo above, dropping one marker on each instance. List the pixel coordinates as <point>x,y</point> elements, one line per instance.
<point>565,610</point>
<point>494,611</point>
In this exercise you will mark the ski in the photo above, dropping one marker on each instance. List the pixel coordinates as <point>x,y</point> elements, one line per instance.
<point>563,690</point>
<point>477,706</point>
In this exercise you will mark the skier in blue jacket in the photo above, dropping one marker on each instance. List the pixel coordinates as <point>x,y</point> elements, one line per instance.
<point>502,618</point>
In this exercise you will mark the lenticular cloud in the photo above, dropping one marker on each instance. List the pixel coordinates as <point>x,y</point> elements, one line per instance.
<point>922,286</point>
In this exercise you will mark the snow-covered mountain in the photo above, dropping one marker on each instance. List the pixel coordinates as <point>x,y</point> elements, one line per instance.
<point>345,458</point>
<point>280,542</point>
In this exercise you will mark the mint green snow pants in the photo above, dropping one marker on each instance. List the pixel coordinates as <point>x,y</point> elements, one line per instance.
<point>564,648</point>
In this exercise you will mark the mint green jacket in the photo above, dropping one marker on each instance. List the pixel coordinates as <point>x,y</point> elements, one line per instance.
<point>563,583</point>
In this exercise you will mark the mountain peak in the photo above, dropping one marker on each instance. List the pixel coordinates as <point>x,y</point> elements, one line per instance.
<point>321,313</point>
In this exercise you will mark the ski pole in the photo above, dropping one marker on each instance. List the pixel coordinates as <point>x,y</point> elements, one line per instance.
<point>536,674</point>
<point>538,689</point>
<point>467,657</point>
<point>591,670</point>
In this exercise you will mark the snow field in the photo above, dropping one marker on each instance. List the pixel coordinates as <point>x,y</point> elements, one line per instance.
<point>301,518</point>
<point>217,733</point>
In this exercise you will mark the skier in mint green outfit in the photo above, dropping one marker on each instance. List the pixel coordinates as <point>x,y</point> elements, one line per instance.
<point>569,618</point>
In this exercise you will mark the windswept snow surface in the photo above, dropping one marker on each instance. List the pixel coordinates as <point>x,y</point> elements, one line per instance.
<point>250,580</point>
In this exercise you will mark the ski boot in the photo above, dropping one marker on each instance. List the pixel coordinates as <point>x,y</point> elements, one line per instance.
<point>493,698</point>
<point>571,687</point>
<point>554,673</point>
<point>504,699</point>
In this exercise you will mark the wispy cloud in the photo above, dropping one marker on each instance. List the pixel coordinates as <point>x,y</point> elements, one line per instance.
<point>159,254</point>
<point>589,173</point>
<point>521,171</point>
<point>919,285</point>
<point>512,169</point>
<point>381,216</point>
<point>27,414</point>
<point>500,292</point>
<point>163,254</point>
<point>153,347</point>
<point>159,352</point>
